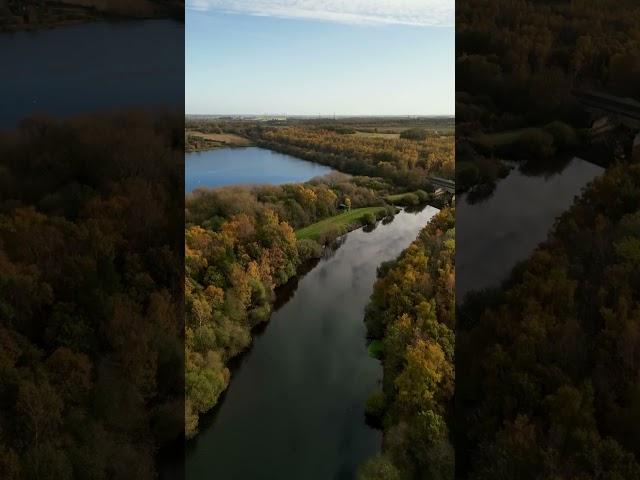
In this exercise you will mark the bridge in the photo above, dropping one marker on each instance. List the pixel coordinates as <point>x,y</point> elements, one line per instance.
<point>612,112</point>
<point>446,185</point>
<point>624,111</point>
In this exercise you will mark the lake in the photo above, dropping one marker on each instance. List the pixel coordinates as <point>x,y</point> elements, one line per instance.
<point>495,234</point>
<point>86,68</point>
<point>295,405</point>
<point>236,166</point>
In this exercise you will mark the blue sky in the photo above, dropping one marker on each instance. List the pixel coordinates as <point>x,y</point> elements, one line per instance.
<point>309,57</point>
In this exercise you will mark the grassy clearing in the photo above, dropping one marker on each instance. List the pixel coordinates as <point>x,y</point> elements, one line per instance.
<point>341,221</point>
<point>398,199</point>
<point>562,134</point>
<point>408,198</point>
<point>494,140</point>
<point>377,135</point>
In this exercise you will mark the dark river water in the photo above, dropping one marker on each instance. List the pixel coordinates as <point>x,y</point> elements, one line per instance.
<point>294,409</point>
<point>90,67</point>
<point>234,166</point>
<point>495,234</point>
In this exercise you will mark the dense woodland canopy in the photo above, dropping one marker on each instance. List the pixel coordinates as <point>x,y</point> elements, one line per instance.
<point>547,369</point>
<point>91,322</point>
<point>518,60</point>
<point>241,245</point>
<point>411,316</point>
<point>406,162</point>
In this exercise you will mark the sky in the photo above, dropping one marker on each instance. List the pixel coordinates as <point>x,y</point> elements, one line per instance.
<point>320,57</point>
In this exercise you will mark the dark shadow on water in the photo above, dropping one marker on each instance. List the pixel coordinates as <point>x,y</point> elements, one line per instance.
<point>545,168</point>
<point>415,209</point>
<point>331,249</point>
<point>373,422</point>
<point>283,294</point>
<point>481,193</point>
<point>172,461</point>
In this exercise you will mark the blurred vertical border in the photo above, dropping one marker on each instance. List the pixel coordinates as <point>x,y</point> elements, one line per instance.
<point>547,360</point>
<point>91,239</point>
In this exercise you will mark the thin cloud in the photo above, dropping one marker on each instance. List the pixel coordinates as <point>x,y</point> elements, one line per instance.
<point>362,12</point>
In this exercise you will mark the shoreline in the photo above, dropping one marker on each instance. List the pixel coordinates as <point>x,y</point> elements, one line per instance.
<point>282,294</point>
<point>49,17</point>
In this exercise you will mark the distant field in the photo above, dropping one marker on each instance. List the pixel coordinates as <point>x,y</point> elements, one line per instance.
<point>223,138</point>
<point>314,231</point>
<point>377,135</point>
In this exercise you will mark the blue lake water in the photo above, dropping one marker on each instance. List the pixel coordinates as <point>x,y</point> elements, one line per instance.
<point>86,68</point>
<point>237,166</point>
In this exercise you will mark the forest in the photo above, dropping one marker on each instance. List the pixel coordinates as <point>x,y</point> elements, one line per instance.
<point>547,366</point>
<point>91,295</point>
<point>411,321</point>
<point>240,245</point>
<point>515,90</point>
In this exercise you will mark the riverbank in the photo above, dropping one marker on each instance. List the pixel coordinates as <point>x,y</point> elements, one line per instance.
<point>307,371</point>
<point>321,234</point>
<point>240,245</point>
<point>521,210</point>
<point>413,334</point>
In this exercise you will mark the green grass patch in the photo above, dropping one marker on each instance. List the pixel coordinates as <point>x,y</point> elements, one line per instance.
<point>564,136</point>
<point>396,198</point>
<point>408,198</point>
<point>341,221</point>
<point>375,349</point>
<point>492,141</point>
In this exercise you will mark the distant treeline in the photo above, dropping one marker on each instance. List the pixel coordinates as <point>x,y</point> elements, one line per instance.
<point>442,125</point>
<point>408,163</point>
<point>91,296</point>
<point>547,367</point>
<point>411,320</point>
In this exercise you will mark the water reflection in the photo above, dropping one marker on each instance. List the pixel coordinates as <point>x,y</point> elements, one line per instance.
<point>504,228</point>
<point>85,68</point>
<point>238,166</point>
<point>295,406</point>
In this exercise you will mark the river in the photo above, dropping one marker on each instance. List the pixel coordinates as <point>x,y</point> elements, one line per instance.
<point>237,166</point>
<point>295,405</point>
<point>504,229</point>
